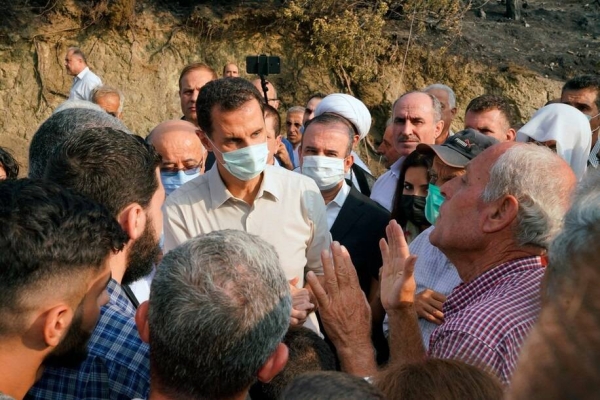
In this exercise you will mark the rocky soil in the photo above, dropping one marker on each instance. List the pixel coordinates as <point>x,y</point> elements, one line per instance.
<point>527,61</point>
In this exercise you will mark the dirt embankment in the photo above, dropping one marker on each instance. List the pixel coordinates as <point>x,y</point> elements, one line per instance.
<point>492,56</point>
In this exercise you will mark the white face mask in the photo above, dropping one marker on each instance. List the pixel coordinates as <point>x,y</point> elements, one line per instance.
<point>245,163</point>
<point>327,172</point>
<point>590,117</point>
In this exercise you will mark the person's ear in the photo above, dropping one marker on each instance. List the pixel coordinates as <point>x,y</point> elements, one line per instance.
<point>348,161</point>
<point>511,135</point>
<point>133,220</point>
<point>274,364</point>
<point>278,140</point>
<point>453,111</point>
<point>439,127</point>
<point>204,139</point>
<point>355,140</point>
<point>141,321</point>
<point>500,214</point>
<point>57,322</point>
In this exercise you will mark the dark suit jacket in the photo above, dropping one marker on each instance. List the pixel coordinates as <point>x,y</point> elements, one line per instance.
<point>359,226</point>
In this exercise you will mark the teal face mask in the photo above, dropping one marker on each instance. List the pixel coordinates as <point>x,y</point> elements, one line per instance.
<point>433,203</point>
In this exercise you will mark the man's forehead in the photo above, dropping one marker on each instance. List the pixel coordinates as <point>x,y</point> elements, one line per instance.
<point>582,96</point>
<point>195,77</point>
<point>334,133</point>
<point>492,114</point>
<point>413,104</point>
<point>440,94</point>
<point>295,114</point>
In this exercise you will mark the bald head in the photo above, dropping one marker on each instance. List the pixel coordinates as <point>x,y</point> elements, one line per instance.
<point>230,70</point>
<point>178,144</point>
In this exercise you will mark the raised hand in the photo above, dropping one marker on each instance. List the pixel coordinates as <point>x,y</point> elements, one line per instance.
<point>398,284</point>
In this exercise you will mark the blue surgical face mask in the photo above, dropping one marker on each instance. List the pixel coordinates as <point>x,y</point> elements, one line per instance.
<point>245,163</point>
<point>433,203</point>
<point>589,117</point>
<point>172,181</point>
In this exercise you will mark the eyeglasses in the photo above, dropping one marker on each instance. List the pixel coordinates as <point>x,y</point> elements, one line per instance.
<point>186,170</point>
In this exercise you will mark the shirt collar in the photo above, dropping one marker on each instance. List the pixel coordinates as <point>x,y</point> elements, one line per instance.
<point>395,167</point>
<point>219,193</point>
<point>83,73</point>
<point>342,195</point>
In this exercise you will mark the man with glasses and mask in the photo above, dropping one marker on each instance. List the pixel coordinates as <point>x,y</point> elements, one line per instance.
<point>242,192</point>
<point>583,93</point>
<point>434,273</point>
<point>54,247</point>
<point>182,153</point>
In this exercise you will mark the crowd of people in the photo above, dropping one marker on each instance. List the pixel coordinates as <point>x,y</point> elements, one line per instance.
<point>237,253</point>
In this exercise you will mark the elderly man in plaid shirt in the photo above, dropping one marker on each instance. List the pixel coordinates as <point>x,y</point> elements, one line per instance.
<point>495,225</point>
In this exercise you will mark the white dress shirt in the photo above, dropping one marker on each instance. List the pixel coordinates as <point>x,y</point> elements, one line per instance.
<point>335,205</point>
<point>385,186</point>
<point>83,85</point>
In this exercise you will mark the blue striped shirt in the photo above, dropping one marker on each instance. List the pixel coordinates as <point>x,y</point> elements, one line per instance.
<point>117,366</point>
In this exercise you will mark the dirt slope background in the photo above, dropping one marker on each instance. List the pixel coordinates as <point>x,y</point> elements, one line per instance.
<point>526,60</point>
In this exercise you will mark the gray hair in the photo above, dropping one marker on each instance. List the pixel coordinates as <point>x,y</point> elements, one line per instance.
<point>77,104</point>
<point>77,52</point>
<point>105,90</point>
<point>389,122</point>
<point>296,109</point>
<point>435,105</point>
<point>579,236</point>
<point>445,88</point>
<point>61,125</point>
<point>219,306</point>
<point>528,172</point>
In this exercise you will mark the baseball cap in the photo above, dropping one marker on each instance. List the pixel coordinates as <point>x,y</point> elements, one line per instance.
<point>460,148</point>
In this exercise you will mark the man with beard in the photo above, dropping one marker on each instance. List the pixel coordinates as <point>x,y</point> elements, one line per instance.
<point>53,275</point>
<point>121,172</point>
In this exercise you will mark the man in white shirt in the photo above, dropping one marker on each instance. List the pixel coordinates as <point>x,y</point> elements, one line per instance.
<point>85,81</point>
<point>417,119</point>
<point>242,192</point>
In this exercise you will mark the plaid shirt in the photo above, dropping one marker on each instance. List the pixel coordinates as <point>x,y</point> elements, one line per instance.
<point>488,319</point>
<point>117,366</point>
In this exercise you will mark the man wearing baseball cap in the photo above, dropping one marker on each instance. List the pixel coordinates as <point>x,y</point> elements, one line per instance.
<point>434,273</point>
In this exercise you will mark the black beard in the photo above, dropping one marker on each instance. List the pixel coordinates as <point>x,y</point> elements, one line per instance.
<point>145,253</point>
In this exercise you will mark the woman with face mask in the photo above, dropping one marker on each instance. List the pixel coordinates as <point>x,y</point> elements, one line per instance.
<point>409,200</point>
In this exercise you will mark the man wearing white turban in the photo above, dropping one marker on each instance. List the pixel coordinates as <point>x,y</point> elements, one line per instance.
<point>358,115</point>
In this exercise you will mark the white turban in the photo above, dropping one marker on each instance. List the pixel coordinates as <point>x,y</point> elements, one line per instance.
<point>568,127</point>
<point>348,107</point>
